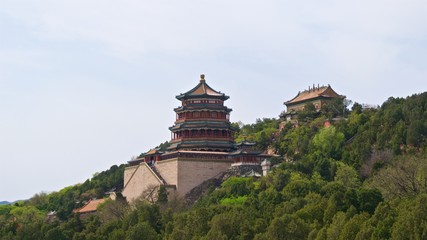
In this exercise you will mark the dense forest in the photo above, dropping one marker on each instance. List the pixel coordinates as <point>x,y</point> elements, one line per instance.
<point>363,175</point>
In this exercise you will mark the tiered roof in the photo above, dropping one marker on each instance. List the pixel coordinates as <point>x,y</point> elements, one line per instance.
<point>203,107</point>
<point>202,98</point>
<point>245,147</point>
<point>202,90</point>
<point>201,144</point>
<point>201,125</point>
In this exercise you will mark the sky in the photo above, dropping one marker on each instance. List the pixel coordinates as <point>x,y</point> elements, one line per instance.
<point>86,84</point>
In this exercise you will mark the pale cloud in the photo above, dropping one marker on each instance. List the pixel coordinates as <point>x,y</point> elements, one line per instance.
<point>21,58</point>
<point>171,25</point>
<point>86,84</point>
<point>129,28</point>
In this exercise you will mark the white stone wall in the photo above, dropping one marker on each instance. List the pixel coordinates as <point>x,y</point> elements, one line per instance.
<point>192,172</point>
<point>139,181</point>
<point>128,173</point>
<point>168,169</point>
<point>184,173</point>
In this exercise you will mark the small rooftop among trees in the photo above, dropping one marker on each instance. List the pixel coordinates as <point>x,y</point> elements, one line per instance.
<point>317,96</point>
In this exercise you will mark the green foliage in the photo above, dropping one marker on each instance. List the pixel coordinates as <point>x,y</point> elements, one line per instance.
<point>262,132</point>
<point>232,201</point>
<point>411,221</point>
<point>294,142</point>
<point>334,108</point>
<point>164,146</point>
<point>309,113</point>
<point>234,224</point>
<point>317,193</point>
<point>328,142</point>
<point>142,230</point>
<point>162,195</point>
<point>287,227</point>
<point>400,125</point>
<point>404,177</point>
<point>237,186</point>
<point>26,214</point>
<point>347,176</point>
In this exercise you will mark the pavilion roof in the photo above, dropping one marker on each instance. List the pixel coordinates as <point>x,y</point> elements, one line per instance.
<point>202,90</point>
<point>251,173</point>
<point>153,151</point>
<point>315,92</point>
<point>245,143</point>
<point>246,152</point>
<point>91,206</point>
<point>136,161</point>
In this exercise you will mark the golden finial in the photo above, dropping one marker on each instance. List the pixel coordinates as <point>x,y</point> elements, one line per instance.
<point>202,77</point>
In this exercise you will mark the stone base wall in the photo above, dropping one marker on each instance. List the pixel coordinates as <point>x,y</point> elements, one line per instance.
<point>169,170</point>
<point>184,173</point>
<point>192,172</point>
<point>138,179</point>
<point>129,171</point>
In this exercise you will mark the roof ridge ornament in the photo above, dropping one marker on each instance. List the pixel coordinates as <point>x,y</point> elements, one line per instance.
<point>202,89</point>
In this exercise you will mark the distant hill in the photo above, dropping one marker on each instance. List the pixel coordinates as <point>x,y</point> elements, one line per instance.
<point>359,177</point>
<point>5,203</point>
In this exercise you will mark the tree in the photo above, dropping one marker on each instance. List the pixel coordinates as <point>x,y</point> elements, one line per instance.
<point>26,214</point>
<point>55,234</point>
<point>329,142</point>
<point>352,227</point>
<point>232,224</point>
<point>162,195</point>
<point>262,132</point>
<point>411,222</point>
<point>334,108</point>
<point>337,225</point>
<point>347,176</point>
<point>112,210</point>
<point>150,194</point>
<point>356,108</point>
<point>404,177</point>
<point>295,143</point>
<point>368,199</point>
<point>309,113</point>
<point>288,227</point>
<point>414,133</point>
<point>140,231</point>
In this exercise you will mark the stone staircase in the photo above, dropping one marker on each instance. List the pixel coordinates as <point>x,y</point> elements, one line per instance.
<point>157,173</point>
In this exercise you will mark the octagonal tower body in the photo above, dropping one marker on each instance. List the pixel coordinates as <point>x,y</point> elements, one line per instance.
<point>202,121</point>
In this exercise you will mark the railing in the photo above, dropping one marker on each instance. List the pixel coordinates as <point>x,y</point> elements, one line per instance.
<point>216,119</point>
<point>203,137</point>
<point>195,155</point>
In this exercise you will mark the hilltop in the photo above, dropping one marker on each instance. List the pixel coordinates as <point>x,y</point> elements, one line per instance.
<point>357,174</point>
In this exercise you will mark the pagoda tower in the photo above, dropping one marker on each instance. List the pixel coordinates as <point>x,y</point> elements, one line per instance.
<point>202,147</point>
<point>202,121</point>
